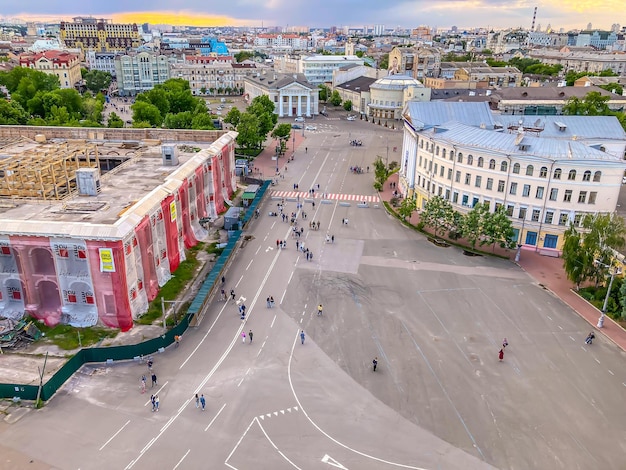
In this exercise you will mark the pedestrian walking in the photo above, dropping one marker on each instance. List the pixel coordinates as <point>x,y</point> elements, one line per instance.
<point>153,402</point>
<point>143,383</point>
<point>505,343</point>
<point>232,294</point>
<point>223,279</point>
<point>156,403</point>
<point>590,337</point>
<point>250,335</point>
<point>277,243</point>
<point>332,239</point>
<point>318,222</point>
<point>223,297</point>
<point>501,355</point>
<point>267,301</point>
<point>319,310</point>
<point>306,149</point>
<point>271,301</point>
<point>202,402</point>
<point>302,336</point>
<point>150,364</point>
<point>154,379</point>
<point>243,336</point>
<point>375,363</point>
<point>297,244</point>
<point>177,340</point>
<point>197,401</point>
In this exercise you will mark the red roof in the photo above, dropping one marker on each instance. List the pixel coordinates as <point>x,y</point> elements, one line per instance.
<point>59,57</point>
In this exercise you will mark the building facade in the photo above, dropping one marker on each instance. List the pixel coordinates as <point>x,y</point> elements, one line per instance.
<point>292,95</point>
<point>575,61</point>
<point>64,65</point>
<point>100,35</point>
<point>213,77</point>
<point>389,94</point>
<point>139,72</point>
<point>103,61</point>
<point>318,69</point>
<point>60,266</point>
<point>539,170</point>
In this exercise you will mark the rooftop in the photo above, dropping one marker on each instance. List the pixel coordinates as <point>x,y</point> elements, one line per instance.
<point>423,115</point>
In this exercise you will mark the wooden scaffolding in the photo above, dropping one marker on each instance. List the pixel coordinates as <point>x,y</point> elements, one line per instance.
<point>45,173</point>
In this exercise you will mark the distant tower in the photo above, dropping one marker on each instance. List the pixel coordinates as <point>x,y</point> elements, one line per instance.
<point>589,26</point>
<point>532,28</point>
<point>349,47</point>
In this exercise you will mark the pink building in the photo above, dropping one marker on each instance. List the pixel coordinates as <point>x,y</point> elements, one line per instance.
<point>99,253</point>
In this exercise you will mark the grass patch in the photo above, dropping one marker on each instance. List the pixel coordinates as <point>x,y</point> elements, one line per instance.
<point>180,278</point>
<point>66,336</point>
<point>213,249</point>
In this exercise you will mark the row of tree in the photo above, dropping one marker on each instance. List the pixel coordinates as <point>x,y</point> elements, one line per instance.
<point>593,104</point>
<point>254,124</point>
<point>478,226</point>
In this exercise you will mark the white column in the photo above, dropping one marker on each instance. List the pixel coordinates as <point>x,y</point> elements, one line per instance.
<point>308,105</point>
<point>280,105</point>
<point>289,112</point>
<point>299,111</point>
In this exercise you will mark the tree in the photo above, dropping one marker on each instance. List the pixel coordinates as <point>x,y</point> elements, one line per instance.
<point>383,64</point>
<point>115,121</point>
<point>613,88</point>
<point>335,99</point>
<point>233,117</point>
<point>146,112</point>
<point>407,207</point>
<point>324,93</point>
<point>12,113</point>
<point>182,120</point>
<point>159,97</point>
<point>281,131</point>
<point>593,104</point>
<point>498,228</point>
<point>202,122</point>
<point>381,173</point>
<point>473,223</point>
<point>96,80</point>
<point>347,105</point>
<point>248,129</point>
<point>263,108</point>
<point>437,214</point>
<point>576,260</point>
<point>243,55</point>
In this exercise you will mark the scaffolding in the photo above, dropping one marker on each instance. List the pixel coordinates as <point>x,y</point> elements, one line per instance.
<point>45,173</point>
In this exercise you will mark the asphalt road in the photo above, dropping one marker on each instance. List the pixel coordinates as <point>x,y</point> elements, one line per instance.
<point>434,318</point>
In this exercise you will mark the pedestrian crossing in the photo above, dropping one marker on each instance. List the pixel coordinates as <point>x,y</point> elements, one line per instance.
<point>332,196</point>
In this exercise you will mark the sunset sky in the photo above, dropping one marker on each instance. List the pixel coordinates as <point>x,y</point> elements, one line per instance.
<point>568,14</point>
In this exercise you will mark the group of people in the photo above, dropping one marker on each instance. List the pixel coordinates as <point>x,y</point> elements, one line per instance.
<point>270,302</point>
<point>314,225</point>
<point>358,169</point>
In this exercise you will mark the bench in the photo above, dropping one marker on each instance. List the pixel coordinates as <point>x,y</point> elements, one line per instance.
<point>551,253</point>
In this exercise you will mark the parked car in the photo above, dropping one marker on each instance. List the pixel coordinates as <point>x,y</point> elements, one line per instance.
<point>351,118</point>
<point>299,119</point>
<point>310,128</point>
<point>296,126</point>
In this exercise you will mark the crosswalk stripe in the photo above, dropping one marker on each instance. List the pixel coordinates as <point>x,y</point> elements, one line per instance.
<point>335,196</point>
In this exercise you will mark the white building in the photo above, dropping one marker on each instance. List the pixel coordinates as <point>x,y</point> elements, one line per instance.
<point>103,61</point>
<point>318,69</point>
<point>139,72</point>
<point>291,94</point>
<point>389,94</point>
<point>547,171</point>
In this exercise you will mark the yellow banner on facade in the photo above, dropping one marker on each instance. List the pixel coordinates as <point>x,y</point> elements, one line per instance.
<point>172,211</point>
<point>107,264</point>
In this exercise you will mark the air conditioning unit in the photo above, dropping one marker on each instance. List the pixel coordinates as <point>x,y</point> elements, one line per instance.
<point>88,181</point>
<point>170,158</point>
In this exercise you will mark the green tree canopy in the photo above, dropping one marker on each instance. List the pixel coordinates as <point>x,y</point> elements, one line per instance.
<point>498,229</point>
<point>146,112</point>
<point>335,98</point>
<point>474,222</point>
<point>115,121</point>
<point>347,105</point>
<point>96,80</point>
<point>12,113</point>
<point>249,134</point>
<point>233,117</point>
<point>437,214</point>
<point>593,104</point>
<point>324,93</point>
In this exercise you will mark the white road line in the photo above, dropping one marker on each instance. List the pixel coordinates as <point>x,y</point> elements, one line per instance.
<point>274,445</point>
<point>250,263</point>
<point>157,392</point>
<point>290,277</point>
<point>181,459</point>
<point>282,297</point>
<point>597,360</point>
<point>293,391</point>
<point>572,338</point>
<point>240,279</point>
<point>548,317</point>
<point>215,417</point>
<point>259,249</point>
<point>237,445</point>
<point>611,372</point>
<point>273,320</point>
<point>113,436</point>
<point>560,327</point>
<point>248,371</point>
<point>240,382</point>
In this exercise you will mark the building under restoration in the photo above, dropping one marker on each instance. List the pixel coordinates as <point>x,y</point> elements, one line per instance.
<point>92,227</point>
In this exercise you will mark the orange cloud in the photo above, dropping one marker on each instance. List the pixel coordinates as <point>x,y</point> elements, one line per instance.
<point>179,18</point>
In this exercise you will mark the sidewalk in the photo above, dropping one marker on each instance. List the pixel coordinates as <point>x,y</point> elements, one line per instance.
<point>550,274</point>
<point>265,166</point>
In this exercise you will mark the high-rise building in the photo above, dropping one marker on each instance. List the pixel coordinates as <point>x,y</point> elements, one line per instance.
<point>100,35</point>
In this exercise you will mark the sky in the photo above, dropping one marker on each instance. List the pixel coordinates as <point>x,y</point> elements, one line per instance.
<point>568,14</point>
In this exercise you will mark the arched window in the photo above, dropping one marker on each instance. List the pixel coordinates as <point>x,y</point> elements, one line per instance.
<point>481,162</point>
<point>443,153</point>
<point>459,157</point>
<point>572,175</point>
<point>504,166</point>
<point>557,173</point>
<point>543,172</point>
<point>470,160</point>
<point>451,157</point>
<point>529,170</point>
<point>422,143</point>
<point>596,176</point>
<point>587,176</point>
<point>516,168</point>
<point>492,164</point>
<point>437,150</point>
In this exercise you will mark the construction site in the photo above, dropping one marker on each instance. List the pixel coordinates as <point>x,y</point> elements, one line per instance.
<point>94,222</point>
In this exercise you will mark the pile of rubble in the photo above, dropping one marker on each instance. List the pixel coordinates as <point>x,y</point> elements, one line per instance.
<point>17,333</point>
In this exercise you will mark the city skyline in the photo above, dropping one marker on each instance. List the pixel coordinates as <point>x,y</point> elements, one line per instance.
<point>567,14</point>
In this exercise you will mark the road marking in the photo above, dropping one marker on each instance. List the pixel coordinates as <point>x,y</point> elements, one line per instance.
<point>560,327</point>
<point>250,263</point>
<point>611,372</point>
<point>113,436</point>
<point>238,443</point>
<point>181,460</point>
<point>240,279</point>
<point>269,248</point>
<point>274,446</point>
<point>572,338</point>
<point>314,424</point>
<point>259,249</point>
<point>241,381</point>
<point>548,317</point>
<point>333,196</point>
<point>273,320</point>
<point>597,360</point>
<point>215,417</point>
<point>332,462</point>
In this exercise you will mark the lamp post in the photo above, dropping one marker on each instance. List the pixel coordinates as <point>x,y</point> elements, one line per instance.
<point>163,302</point>
<point>608,293</point>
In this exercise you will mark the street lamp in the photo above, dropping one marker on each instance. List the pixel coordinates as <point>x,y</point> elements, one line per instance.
<point>608,292</point>
<point>163,302</point>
